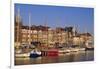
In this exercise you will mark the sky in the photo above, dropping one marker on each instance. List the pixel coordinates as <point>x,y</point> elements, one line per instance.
<point>57,16</point>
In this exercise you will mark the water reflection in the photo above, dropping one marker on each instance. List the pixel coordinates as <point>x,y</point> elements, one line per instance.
<point>72,57</point>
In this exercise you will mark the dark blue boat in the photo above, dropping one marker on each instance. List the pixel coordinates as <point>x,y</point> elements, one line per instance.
<point>35,54</point>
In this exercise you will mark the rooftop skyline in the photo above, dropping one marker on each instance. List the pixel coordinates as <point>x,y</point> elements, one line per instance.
<point>57,16</point>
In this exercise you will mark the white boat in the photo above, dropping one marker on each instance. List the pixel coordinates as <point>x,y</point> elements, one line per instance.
<point>81,49</point>
<point>63,51</point>
<point>74,49</point>
<point>22,55</point>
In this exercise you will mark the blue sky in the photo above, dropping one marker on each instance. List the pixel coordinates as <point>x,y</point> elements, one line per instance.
<point>58,16</point>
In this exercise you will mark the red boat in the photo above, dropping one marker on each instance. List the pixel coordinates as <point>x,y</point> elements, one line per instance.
<point>52,52</point>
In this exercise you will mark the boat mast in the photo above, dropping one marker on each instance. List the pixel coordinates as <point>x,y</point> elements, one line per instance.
<point>66,36</point>
<point>57,33</point>
<point>46,30</point>
<point>74,31</point>
<point>79,36</point>
<point>86,34</point>
<point>18,27</point>
<point>86,43</point>
<point>29,28</point>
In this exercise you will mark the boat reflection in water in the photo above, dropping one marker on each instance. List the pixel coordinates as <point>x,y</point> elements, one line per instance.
<point>69,57</point>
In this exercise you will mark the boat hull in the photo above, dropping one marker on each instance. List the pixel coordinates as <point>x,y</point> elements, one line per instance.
<point>34,55</point>
<point>25,55</point>
<point>89,49</point>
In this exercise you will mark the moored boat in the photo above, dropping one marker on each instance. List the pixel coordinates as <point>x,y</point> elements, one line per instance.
<point>74,49</point>
<point>52,53</point>
<point>81,49</point>
<point>63,51</point>
<point>35,53</point>
<point>89,48</point>
<point>22,55</point>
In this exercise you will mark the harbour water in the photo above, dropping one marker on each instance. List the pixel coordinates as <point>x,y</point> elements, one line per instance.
<point>70,57</point>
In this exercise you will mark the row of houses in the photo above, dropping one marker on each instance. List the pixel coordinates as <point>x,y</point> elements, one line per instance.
<point>47,36</point>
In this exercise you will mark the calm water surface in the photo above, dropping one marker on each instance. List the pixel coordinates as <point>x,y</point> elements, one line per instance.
<point>72,57</point>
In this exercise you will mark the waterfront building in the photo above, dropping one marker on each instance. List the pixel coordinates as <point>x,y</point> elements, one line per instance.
<point>82,38</point>
<point>46,36</point>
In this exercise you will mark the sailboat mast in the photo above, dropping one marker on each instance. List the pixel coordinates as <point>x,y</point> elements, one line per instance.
<point>29,28</point>
<point>74,31</point>
<point>46,30</point>
<point>86,34</point>
<point>18,26</point>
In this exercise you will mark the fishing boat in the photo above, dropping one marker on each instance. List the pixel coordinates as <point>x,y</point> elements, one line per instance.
<point>35,53</point>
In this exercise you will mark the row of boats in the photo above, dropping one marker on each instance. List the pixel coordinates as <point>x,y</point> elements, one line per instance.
<point>50,52</point>
<point>35,52</point>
